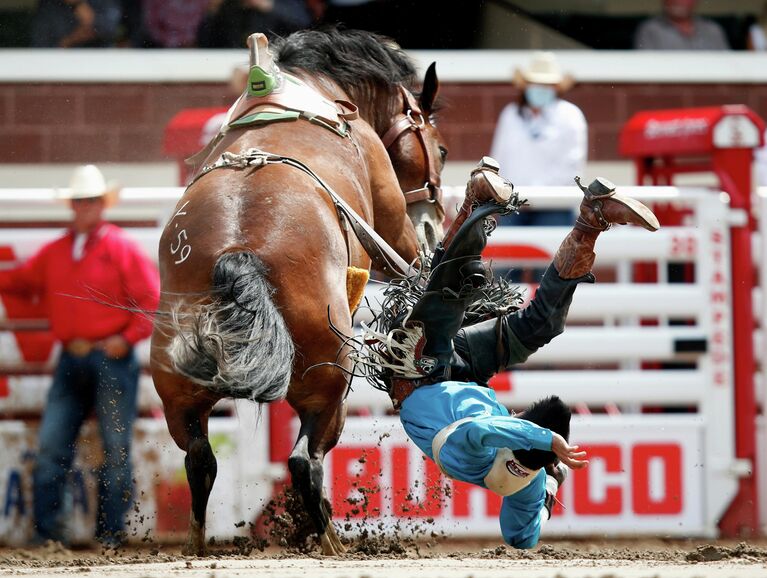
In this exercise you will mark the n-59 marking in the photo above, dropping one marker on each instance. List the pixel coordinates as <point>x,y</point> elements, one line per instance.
<point>180,246</point>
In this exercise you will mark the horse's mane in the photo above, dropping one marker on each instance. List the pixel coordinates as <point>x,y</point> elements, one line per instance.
<point>361,63</point>
<point>348,57</point>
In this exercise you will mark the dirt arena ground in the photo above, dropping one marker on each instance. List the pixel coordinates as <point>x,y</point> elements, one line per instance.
<point>444,559</point>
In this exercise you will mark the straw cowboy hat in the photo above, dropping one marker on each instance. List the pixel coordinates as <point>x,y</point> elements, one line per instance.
<point>543,68</point>
<point>88,182</point>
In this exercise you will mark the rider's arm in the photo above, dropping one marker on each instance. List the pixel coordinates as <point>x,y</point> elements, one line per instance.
<point>502,432</point>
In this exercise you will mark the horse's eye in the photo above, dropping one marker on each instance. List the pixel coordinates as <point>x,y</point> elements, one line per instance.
<point>443,153</point>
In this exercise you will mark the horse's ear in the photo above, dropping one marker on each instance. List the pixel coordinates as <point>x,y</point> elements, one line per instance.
<point>430,88</point>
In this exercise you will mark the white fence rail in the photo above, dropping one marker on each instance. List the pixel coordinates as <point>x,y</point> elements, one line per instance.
<point>593,365</point>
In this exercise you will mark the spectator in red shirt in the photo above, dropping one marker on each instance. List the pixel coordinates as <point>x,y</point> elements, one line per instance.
<point>94,281</point>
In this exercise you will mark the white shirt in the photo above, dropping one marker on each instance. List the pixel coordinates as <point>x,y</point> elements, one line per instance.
<point>78,246</point>
<point>545,149</point>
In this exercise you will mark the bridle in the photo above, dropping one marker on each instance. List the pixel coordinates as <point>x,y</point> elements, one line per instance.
<point>412,118</point>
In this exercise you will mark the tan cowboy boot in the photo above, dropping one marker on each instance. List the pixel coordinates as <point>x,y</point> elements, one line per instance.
<point>485,185</point>
<point>600,208</point>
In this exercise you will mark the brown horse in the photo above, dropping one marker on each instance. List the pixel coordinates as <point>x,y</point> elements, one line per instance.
<point>256,258</point>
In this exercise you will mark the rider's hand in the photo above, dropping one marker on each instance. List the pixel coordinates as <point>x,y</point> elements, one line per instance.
<point>567,454</point>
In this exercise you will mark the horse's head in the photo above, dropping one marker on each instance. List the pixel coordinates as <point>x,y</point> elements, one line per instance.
<point>418,154</point>
<point>373,72</point>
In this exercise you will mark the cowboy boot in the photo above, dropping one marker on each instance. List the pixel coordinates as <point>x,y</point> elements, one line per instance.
<point>485,185</point>
<point>600,208</point>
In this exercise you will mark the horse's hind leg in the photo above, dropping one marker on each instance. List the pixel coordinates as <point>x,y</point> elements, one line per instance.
<point>189,428</point>
<point>318,435</point>
<point>201,471</point>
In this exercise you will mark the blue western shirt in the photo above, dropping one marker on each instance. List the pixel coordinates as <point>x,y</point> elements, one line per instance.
<point>469,452</point>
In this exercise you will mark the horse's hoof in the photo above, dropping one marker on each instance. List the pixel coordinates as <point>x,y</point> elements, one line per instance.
<point>331,544</point>
<point>193,547</point>
<point>195,541</point>
<point>190,549</point>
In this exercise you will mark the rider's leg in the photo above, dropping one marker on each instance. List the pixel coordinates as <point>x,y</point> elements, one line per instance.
<point>493,345</point>
<point>456,273</point>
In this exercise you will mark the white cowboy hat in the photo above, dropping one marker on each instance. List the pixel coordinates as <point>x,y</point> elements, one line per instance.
<point>543,68</point>
<point>88,182</point>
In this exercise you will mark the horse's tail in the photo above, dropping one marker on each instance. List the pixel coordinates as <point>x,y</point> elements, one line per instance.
<point>237,344</point>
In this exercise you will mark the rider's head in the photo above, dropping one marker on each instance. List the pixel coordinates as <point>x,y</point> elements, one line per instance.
<point>551,413</point>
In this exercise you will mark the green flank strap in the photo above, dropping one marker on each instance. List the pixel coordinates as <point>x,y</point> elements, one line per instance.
<point>263,118</point>
<point>260,118</point>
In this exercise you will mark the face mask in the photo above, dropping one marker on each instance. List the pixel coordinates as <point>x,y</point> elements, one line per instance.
<point>538,96</point>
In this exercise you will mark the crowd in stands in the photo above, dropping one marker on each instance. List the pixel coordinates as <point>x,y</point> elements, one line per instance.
<point>167,23</point>
<point>678,27</point>
<point>204,23</point>
<point>227,23</point>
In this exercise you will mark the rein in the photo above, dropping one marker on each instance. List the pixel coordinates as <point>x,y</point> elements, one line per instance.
<point>413,119</point>
<point>385,258</point>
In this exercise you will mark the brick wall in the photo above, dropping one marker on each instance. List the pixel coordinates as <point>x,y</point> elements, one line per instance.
<point>48,123</point>
<point>62,123</point>
<point>471,110</point>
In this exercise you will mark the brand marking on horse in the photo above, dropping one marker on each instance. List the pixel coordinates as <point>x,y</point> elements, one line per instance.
<point>181,211</point>
<point>180,246</point>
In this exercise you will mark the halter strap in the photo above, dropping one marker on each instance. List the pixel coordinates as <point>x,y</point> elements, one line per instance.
<point>413,119</point>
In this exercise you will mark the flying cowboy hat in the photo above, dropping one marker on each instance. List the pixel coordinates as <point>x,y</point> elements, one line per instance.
<point>88,182</point>
<point>543,68</point>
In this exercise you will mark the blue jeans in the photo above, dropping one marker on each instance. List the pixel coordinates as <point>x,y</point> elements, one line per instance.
<point>109,387</point>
